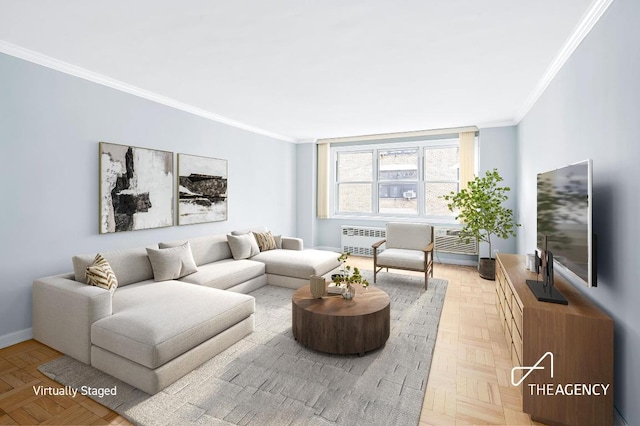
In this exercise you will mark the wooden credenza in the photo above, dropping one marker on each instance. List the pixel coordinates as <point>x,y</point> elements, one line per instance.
<point>580,337</point>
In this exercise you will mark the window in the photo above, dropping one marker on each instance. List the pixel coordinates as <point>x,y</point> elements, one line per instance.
<point>398,181</point>
<point>355,182</point>
<point>441,176</point>
<point>395,179</point>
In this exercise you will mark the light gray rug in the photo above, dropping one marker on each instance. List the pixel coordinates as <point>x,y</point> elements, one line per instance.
<point>268,378</point>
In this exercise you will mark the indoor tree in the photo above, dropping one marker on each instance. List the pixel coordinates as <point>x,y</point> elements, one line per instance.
<point>480,209</point>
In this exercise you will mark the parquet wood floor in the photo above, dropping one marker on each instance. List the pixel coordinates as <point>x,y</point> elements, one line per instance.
<point>469,378</point>
<point>19,405</point>
<point>468,382</point>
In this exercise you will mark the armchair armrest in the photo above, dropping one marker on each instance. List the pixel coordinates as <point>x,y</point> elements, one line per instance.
<point>63,311</point>
<point>428,248</point>
<point>290,243</point>
<point>378,244</point>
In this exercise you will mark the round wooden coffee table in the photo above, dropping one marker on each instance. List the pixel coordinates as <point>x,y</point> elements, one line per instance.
<point>334,325</point>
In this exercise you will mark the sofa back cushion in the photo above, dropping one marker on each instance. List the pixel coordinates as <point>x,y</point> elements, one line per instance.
<point>129,265</point>
<point>207,249</point>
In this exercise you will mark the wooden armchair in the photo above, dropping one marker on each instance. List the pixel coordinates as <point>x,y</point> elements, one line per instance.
<point>409,246</point>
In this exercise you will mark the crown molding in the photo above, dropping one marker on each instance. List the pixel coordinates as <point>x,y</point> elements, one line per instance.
<point>76,71</point>
<point>505,123</point>
<point>415,133</point>
<point>586,24</point>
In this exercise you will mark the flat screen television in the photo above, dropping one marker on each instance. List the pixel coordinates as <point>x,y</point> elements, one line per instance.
<point>564,202</point>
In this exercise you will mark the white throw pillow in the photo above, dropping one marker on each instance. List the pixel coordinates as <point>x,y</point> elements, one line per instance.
<point>255,249</point>
<point>242,245</point>
<point>172,263</point>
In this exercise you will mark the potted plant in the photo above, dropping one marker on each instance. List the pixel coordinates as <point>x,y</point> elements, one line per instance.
<point>346,278</point>
<point>480,208</point>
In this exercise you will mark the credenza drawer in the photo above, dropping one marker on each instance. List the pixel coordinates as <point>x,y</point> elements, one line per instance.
<point>508,295</point>
<point>517,317</point>
<point>516,338</point>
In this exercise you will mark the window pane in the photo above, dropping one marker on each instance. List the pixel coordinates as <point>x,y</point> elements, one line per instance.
<point>355,166</point>
<point>398,164</point>
<point>437,206</point>
<point>354,197</point>
<point>398,198</point>
<point>441,164</point>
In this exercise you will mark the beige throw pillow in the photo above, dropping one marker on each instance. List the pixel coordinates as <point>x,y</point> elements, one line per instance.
<point>265,240</point>
<point>172,263</point>
<point>100,274</point>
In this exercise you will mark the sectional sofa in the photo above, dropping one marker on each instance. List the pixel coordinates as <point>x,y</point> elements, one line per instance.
<point>149,332</point>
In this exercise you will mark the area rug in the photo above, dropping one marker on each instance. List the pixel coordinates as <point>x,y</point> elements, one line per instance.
<point>270,379</point>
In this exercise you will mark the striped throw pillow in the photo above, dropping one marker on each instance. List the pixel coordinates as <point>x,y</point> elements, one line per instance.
<point>100,274</point>
<point>265,240</point>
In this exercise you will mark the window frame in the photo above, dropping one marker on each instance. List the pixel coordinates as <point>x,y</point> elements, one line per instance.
<point>421,182</point>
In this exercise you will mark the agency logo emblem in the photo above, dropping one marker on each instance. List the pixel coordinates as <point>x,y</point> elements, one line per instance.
<point>556,389</point>
<point>529,370</point>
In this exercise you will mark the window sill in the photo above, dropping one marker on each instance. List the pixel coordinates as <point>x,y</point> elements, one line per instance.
<point>413,219</point>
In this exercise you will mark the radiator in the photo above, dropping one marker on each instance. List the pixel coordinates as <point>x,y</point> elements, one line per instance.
<point>358,240</point>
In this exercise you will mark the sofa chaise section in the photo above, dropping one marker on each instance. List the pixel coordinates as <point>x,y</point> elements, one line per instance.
<point>293,268</point>
<point>154,323</point>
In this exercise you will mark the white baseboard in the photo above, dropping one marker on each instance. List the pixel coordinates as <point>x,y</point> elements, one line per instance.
<point>15,337</point>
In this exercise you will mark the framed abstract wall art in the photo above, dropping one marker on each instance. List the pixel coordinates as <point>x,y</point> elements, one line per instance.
<point>136,188</point>
<point>202,189</point>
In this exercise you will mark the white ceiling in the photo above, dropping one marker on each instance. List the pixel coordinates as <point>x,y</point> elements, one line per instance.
<point>304,70</point>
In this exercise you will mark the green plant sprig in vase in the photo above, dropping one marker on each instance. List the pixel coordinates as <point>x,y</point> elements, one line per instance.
<point>348,277</point>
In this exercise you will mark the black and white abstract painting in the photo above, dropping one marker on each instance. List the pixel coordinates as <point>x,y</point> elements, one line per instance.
<point>136,188</point>
<point>202,189</point>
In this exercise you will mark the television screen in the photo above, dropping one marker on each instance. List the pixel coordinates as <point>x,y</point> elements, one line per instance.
<point>564,217</point>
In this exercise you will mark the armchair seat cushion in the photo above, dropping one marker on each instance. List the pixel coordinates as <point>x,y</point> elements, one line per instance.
<point>401,258</point>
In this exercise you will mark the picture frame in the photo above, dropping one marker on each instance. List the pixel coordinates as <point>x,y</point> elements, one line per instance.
<point>135,188</point>
<point>202,189</point>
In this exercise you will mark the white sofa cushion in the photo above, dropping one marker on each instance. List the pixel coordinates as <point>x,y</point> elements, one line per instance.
<point>298,263</point>
<point>401,258</point>
<point>226,273</point>
<point>154,322</point>
<point>207,249</point>
<point>129,265</point>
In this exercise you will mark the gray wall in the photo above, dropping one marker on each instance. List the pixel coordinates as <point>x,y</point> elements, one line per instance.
<point>50,126</point>
<point>306,154</point>
<point>592,110</point>
<point>497,148</point>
